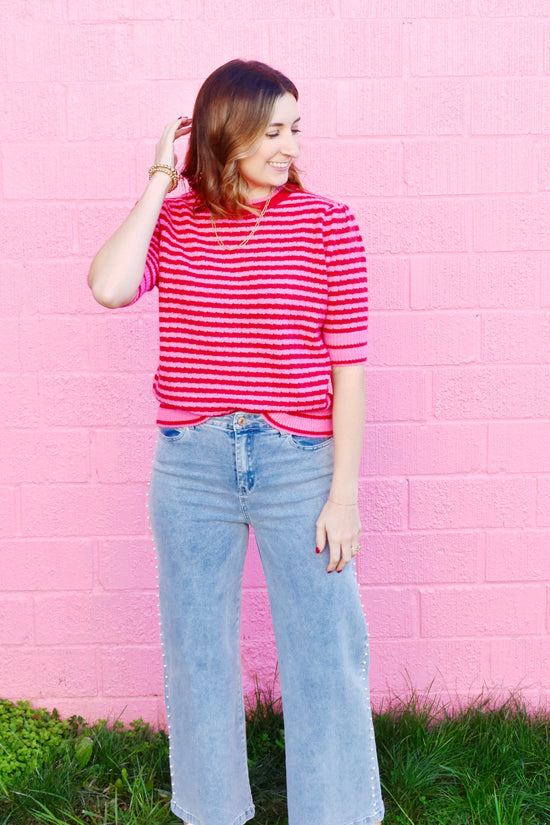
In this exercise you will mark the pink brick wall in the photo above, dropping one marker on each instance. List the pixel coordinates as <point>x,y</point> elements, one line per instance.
<point>431,118</point>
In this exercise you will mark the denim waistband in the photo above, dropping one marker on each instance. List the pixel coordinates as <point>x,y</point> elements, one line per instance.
<point>240,421</point>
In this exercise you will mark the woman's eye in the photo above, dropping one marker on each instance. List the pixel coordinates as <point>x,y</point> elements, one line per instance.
<point>296,131</point>
<point>272,134</point>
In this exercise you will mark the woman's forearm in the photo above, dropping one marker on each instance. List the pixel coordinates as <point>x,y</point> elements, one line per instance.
<point>348,421</point>
<point>117,269</point>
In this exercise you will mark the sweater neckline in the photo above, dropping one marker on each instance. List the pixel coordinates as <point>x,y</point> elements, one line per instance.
<point>280,195</point>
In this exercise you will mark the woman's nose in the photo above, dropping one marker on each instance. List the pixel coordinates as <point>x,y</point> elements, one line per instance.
<point>291,146</point>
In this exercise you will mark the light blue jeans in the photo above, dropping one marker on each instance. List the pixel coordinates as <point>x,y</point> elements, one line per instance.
<point>209,484</point>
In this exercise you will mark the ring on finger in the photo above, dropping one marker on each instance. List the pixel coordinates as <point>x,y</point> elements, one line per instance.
<point>355,550</point>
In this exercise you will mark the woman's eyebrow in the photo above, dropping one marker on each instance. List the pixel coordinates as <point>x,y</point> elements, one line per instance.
<point>283,124</point>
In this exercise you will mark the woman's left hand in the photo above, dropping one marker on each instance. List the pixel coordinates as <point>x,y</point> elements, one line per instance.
<point>339,525</point>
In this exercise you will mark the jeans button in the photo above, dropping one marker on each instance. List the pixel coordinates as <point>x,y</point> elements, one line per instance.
<point>241,420</point>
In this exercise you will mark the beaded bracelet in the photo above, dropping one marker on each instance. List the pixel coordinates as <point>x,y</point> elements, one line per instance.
<point>168,170</point>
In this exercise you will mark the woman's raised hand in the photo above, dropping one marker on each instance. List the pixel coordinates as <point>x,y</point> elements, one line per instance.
<point>164,151</point>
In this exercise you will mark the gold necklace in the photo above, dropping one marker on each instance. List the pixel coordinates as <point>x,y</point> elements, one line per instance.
<point>254,228</point>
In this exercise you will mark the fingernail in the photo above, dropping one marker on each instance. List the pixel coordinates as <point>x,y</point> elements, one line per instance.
<point>329,571</point>
<point>317,550</point>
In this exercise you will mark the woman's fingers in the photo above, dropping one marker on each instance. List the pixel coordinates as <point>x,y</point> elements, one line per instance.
<point>341,528</point>
<point>164,153</point>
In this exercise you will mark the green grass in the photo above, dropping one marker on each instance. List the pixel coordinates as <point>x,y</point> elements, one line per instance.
<point>482,765</point>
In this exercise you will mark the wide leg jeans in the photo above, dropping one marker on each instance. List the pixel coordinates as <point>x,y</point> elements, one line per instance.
<point>209,484</point>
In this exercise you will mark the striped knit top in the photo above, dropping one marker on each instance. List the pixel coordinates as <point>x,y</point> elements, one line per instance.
<point>257,328</point>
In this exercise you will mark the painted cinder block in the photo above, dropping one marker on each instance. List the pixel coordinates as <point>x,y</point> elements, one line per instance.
<point>16,619</point>
<point>46,101</point>
<point>467,166</point>
<point>410,226</point>
<point>46,287</point>
<point>123,342</point>
<point>519,337</point>
<point>402,8</point>
<point>545,656</point>
<point>423,339</point>
<point>166,9</point>
<point>518,556</point>
<point>106,173</point>
<point>391,612</point>
<point>423,449</point>
<point>19,400</point>
<point>388,279</point>
<point>446,503</point>
<point>337,48</point>
<point>471,47</point>
<point>542,150</point>
<point>33,10</point>
<point>473,280</point>
<point>92,11</point>
<point>519,447</point>
<point>317,104</point>
<point>435,667</point>
<point>383,504</point>
<point>263,9</point>
<point>132,671</point>
<point>97,619</point>
<point>127,564</point>
<point>124,112</point>
<point>513,223</point>
<point>420,558</point>
<point>46,564</point>
<point>401,106</point>
<point>37,344</point>
<point>513,8</point>
<point>349,169</point>
<point>49,671</point>
<point>543,501</point>
<point>396,394</point>
<point>62,378</point>
<point>545,281</point>
<point>256,617</point>
<point>83,510</point>
<point>51,456</point>
<point>98,400</point>
<point>516,663</point>
<point>491,392</point>
<point>162,52</point>
<point>48,231</point>
<point>58,52</point>
<point>96,223</point>
<point>124,455</point>
<point>483,610</point>
<point>510,106</point>
<point>259,668</point>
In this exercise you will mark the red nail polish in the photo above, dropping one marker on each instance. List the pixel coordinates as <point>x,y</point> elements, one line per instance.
<point>317,550</point>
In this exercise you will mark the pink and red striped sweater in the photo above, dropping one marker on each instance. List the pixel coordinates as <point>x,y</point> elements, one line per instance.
<point>257,328</point>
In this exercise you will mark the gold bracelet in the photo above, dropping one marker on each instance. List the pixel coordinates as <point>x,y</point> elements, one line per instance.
<point>168,170</point>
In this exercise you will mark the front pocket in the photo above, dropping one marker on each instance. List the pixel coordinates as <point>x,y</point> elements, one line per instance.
<point>172,433</point>
<point>309,442</point>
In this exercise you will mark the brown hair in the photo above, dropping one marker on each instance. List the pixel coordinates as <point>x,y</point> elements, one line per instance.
<point>232,109</point>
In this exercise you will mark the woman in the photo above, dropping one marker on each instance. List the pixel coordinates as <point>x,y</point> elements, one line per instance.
<point>262,303</point>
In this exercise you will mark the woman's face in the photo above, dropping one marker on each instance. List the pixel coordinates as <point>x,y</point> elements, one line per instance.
<point>268,165</point>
